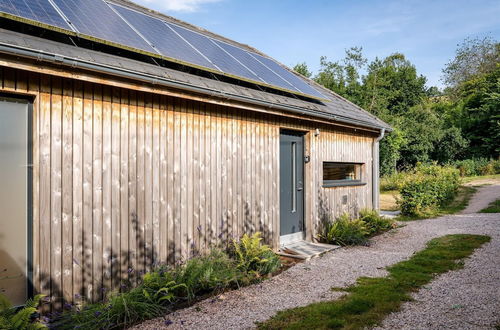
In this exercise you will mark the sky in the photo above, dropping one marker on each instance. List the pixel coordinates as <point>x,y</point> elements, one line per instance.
<point>295,31</point>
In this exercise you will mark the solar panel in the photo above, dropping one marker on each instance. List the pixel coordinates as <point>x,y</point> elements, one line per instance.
<point>294,80</point>
<point>137,30</point>
<point>260,70</point>
<point>166,41</point>
<point>225,62</point>
<point>95,18</point>
<point>36,10</point>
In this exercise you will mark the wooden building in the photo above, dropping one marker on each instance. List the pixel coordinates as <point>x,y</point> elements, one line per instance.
<point>114,157</point>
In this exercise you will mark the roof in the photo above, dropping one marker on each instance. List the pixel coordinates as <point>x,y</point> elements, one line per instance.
<point>334,107</point>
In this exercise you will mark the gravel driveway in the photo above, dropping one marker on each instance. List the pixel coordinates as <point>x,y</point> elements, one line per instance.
<point>468,298</point>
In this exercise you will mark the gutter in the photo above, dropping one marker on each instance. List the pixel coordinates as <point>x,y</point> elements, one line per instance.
<point>156,80</point>
<point>376,171</point>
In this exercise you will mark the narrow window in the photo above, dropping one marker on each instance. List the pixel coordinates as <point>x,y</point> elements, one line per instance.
<point>14,192</point>
<point>342,174</point>
<point>294,177</point>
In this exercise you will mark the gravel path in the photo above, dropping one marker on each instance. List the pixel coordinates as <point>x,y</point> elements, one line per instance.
<point>483,197</point>
<point>466,298</point>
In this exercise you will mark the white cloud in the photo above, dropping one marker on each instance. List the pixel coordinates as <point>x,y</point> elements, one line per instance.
<point>178,5</point>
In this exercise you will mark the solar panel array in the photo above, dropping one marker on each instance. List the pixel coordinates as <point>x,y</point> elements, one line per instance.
<point>36,10</point>
<point>134,29</point>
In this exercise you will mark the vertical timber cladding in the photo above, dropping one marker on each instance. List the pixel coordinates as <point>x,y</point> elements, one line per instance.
<point>124,179</point>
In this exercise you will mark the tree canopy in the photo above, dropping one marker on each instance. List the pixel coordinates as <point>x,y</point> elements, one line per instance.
<point>463,121</point>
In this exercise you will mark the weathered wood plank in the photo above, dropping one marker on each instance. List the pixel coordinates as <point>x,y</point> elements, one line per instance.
<point>34,88</point>
<point>184,223</point>
<point>107,184</point>
<point>115,189</point>
<point>214,183</point>
<point>156,179</point>
<point>201,230</point>
<point>87,261</point>
<point>170,155</point>
<point>67,191</point>
<point>148,180</point>
<point>195,186</point>
<point>141,188</point>
<point>77,189</point>
<point>124,186</point>
<point>132,188</point>
<point>45,184</point>
<point>163,181</point>
<point>97,248</point>
<point>189,220</point>
<point>176,193</point>
<point>56,192</point>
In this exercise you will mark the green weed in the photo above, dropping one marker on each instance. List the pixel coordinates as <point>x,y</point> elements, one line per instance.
<point>494,207</point>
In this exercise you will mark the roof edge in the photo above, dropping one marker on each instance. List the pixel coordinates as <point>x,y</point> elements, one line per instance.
<point>157,80</point>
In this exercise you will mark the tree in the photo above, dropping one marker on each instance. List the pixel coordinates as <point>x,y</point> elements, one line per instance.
<point>479,114</point>
<point>450,146</point>
<point>390,148</point>
<point>392,86</point>
<point>463,121</point>
<point>343,77</point>
<point>423,129</point>
<point>302,69</point>
<point>474,57</point>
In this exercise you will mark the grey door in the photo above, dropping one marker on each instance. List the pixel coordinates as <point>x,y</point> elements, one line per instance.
<point>14,161</point>
<point>291,185</point>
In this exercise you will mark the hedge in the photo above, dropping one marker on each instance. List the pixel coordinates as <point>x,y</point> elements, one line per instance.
<point>429,187</point>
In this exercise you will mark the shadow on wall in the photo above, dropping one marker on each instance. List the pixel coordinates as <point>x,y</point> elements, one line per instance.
<point>122,276</point>
<point>327,213</point>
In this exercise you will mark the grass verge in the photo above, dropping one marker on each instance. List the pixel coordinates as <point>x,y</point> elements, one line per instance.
<point>494,207</point>
<point>459,203</point>
<point>367,302</point>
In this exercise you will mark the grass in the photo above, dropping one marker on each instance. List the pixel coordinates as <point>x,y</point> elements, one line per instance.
<point>494,207</point>
<point>459,203</point>
<point>388,200</point>
<point>367,302</point>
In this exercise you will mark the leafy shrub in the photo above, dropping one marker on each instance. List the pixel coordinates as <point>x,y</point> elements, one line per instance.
<point>344,231</point>
<point>160,287</point>
<point>394,181</point>
<point>19,319</point>
<point>431,186</point>
<point>375,223</point>
<point>496,166</point>
<point>165,286</point>
<point>215,271</point>
<point>478,166</point>
<point>254,257</point>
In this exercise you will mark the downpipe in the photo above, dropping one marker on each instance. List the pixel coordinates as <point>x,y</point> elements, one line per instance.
<point>376,171</point>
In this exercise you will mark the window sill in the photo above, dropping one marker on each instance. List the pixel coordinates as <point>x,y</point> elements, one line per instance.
<point>343,184</point>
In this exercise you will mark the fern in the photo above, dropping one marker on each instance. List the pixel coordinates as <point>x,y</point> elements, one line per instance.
<point>11,318</point>
<point>344,231</point>
<point>254,257</point>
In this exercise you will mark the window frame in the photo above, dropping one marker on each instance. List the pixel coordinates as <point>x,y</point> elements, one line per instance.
<point>344,182</point>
